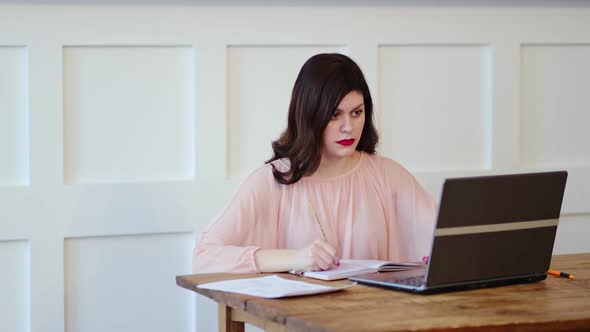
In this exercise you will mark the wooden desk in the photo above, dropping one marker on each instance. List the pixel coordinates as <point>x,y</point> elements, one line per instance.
<point>556,304</point>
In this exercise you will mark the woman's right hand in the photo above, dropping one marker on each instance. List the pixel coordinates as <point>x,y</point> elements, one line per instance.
<point>317,256</point>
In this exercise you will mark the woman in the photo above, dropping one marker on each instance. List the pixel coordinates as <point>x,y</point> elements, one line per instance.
<point>324,195</point>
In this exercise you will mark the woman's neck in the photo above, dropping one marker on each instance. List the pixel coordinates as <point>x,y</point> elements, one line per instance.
<point>333,167</point>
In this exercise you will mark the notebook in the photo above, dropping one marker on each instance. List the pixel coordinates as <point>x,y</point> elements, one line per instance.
<point>352,267</point>
<point>490,231</point>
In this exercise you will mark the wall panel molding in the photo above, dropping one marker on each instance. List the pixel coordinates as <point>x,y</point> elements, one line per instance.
<point>129,113</point>
<point>16,286</point>
<point>116,283</point>
<point>448,125</point>
<point>14,116</point>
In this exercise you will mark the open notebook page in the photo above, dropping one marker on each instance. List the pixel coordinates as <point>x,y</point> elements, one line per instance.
<point>352,267</point>
<point>383,266</point>
<point>340,272</point>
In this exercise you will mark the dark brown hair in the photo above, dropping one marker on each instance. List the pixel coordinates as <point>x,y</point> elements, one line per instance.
<point>321,84</point>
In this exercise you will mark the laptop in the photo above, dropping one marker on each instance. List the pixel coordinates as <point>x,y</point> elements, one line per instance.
<point>490,231</point>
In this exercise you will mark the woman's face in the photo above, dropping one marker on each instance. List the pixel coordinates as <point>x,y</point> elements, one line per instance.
<point>344,130</point>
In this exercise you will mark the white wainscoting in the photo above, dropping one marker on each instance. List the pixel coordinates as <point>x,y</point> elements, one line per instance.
<point>555,79</point>
<point>14,98</point>
<point>14,306</point>
<point>125,128</point>
<point>448,125</point>
<point>124,283</point>
<point>128,120</point>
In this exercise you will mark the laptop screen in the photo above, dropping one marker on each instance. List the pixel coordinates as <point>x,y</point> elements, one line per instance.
<point>495,227</point>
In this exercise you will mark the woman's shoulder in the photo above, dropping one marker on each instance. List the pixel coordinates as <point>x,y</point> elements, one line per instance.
<point>259,179</point>
<point>386,165</point>
<point>389,172</point>
<point>264,174</point>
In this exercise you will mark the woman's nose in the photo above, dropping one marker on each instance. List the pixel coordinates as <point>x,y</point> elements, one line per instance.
<point>346,124</point>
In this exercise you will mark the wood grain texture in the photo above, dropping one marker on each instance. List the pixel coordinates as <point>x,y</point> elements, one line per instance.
<point>227,322</point>
<point>555,304</point>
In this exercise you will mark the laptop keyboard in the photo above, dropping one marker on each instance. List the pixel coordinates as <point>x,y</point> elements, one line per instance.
<point>412,281</point>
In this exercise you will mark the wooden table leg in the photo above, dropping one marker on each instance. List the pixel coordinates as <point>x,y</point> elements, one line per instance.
<point>226,324</point>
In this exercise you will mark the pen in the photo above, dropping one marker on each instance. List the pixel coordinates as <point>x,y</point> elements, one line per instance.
<point>561,274</point>
<point>297,272</point>
<point>317,220</point>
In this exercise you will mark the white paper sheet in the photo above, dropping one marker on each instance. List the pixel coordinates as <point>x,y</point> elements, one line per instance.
<point>270,287</point>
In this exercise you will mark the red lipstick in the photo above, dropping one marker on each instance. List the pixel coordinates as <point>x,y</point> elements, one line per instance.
<point>346,142</point>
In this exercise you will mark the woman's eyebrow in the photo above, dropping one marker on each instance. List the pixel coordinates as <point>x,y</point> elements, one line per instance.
<point>354,109</point>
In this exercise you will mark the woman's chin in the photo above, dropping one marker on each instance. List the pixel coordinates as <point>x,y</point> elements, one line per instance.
<point>346,153</point>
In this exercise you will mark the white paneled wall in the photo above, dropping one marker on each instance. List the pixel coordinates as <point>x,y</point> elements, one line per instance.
<point>14,144</point>
<point>124,129</point>
<point>100,270</point>
<point>14,306</point>
<point>128,113</point>
<point>552,107</point>
<point>448,125</point>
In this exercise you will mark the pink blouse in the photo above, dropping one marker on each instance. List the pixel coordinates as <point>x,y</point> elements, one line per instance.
<point>377,210</point>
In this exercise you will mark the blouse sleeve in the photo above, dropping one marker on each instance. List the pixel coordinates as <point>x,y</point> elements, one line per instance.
<point>425,211</point>
<point>416,209</point>
<point>246,224</point>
